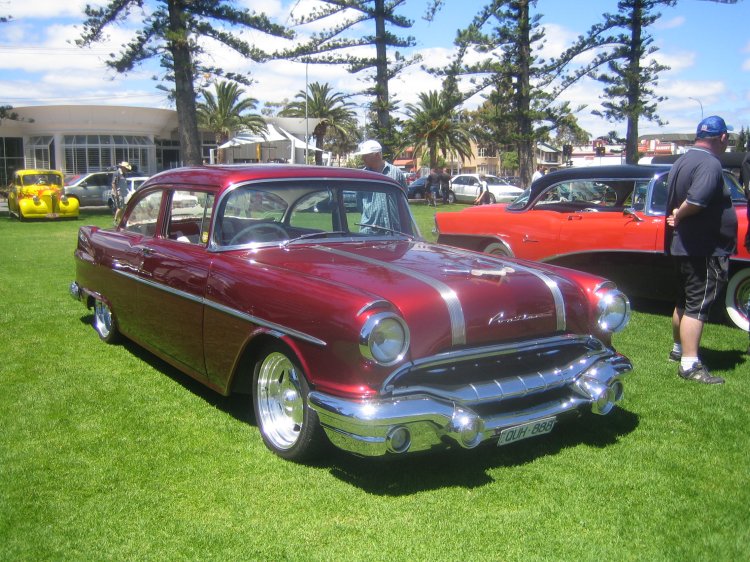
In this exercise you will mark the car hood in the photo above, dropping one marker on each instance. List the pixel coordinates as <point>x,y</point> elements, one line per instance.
<point>448,297</point>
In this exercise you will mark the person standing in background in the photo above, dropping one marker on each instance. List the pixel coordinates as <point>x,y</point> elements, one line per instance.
<point>445,184</point>
<point>372,155</point>
<point>119,188</point>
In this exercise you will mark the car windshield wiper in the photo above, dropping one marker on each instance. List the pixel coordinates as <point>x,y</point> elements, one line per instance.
<point>285,243</point>
<point>386,229</point>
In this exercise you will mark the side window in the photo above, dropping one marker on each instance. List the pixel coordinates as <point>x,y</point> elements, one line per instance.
<point>559,193</point>
<point>189,216</point>
<point>659,196</point>
<point>145,214</point>
<point>638,201</point>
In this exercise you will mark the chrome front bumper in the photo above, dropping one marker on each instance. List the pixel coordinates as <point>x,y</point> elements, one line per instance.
<point>418,419</point>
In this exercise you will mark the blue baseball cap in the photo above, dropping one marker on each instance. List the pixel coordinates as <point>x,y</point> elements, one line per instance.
<point>712,126</point>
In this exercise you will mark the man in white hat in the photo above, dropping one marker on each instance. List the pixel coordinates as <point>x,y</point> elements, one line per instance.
<point>119,187</point>
<point>372,155</point>
<point>379,209</point>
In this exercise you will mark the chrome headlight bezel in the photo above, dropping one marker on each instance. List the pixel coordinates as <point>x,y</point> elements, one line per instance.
<point>381,328</point>
<point>612,310</point>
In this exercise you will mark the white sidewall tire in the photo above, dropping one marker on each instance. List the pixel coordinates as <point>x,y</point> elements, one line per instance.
<point>736,297</point>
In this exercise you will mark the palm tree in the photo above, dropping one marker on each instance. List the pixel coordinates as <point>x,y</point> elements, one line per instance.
<point>433,126</point>
<point>334,113</point>
<point>225,113</point>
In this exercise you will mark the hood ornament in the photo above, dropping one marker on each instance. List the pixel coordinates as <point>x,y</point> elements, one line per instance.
<point>500,273</point>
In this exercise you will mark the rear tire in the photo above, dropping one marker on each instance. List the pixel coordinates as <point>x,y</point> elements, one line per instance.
<point>289,427</point>
<point>105,323</point>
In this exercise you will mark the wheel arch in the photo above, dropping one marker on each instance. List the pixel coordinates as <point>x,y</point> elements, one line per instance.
<point>242,374</point>
<point>475,242</point>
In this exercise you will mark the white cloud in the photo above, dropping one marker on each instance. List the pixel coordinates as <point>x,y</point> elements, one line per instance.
<point>672,23</point>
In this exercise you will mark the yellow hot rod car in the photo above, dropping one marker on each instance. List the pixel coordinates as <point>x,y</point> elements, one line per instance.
<point>39,194</point>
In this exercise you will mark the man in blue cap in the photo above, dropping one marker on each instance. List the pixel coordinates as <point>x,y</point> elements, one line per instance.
<point>704,234</point>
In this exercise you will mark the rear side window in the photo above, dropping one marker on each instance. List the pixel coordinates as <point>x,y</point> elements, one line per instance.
<point>189,216</point>
<point>145,214</point>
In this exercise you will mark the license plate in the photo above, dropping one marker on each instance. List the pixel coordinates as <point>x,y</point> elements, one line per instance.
<point>52,215</point>
<point>531,429</point>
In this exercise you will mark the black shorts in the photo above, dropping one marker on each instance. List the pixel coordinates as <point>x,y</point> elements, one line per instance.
<point>701,280</point>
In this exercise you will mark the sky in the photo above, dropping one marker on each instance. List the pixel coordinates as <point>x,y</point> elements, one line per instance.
<point>705,44</point>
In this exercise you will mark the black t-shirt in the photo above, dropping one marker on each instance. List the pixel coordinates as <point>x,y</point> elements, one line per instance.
<point>697,177</point>
<point>432,182</point>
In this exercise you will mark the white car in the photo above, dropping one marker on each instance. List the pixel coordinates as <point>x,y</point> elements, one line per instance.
<point>467,187</point>
<point>133,183</point>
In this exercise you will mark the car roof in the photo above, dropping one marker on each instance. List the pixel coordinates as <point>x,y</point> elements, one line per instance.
<point>223,176</point>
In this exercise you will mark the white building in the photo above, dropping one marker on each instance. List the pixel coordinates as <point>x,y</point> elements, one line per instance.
<point>85,138</point>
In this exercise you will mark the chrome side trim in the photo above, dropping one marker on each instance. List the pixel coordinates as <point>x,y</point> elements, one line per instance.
<point>449,296</point>
<point>225,309</point>
<point>265,323</point>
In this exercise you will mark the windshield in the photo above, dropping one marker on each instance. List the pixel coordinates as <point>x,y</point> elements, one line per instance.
<point>289,211</point>
<point>41,179</point>
<point>521,201</point>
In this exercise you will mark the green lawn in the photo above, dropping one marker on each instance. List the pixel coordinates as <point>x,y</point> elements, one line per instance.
<point>109,454</point>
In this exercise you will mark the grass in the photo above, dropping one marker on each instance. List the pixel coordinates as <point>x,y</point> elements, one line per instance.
<point>107,453</point>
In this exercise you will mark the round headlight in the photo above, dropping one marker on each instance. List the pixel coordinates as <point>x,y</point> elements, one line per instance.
<point>613,311</point>
<point>384,338</point>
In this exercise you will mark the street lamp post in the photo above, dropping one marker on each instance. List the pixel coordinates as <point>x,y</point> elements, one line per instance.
<point>699,103</point>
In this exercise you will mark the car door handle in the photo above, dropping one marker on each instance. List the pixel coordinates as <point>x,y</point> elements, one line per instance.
<point>146,251</point>
<point>574,217</point>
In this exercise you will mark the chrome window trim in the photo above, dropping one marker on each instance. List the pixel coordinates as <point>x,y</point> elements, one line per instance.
<point>214,246</point>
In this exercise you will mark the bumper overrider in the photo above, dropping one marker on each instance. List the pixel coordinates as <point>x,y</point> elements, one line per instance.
<point>470,396</point>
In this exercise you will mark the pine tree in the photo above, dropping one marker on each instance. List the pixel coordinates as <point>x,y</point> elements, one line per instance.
<point>523,88</point>
<point>172,31</point>
<point>631,79</point>
<point>326,48</point>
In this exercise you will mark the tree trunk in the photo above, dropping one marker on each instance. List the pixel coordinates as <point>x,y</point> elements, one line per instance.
<point>526,141</point>
<point>184,92</point>
<point>381,79</point>
<point>634,93</point>
<point>320,133</point>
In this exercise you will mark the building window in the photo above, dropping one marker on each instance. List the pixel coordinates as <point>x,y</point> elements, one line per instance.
<point>37,153</point>
<point>11,158</point>
<point>94,153</point>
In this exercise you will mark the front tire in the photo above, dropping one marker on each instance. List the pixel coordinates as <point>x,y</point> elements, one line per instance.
<point>737,298</point>
<point>105,323</point>
<point>289,427</point>
<point>451,197</point>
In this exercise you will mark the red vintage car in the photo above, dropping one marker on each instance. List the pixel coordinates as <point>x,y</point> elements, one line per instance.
<point>607,220</point>
<point>309,289</point>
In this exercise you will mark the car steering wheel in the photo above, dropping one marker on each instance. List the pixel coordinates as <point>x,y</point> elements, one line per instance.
<point>266,232</point>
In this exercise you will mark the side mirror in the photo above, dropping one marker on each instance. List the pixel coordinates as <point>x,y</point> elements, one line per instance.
<point>630,212</point>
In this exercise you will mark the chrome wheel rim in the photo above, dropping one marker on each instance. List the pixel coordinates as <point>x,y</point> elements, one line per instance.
<point>280,402</point>
<point>102,319</point>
